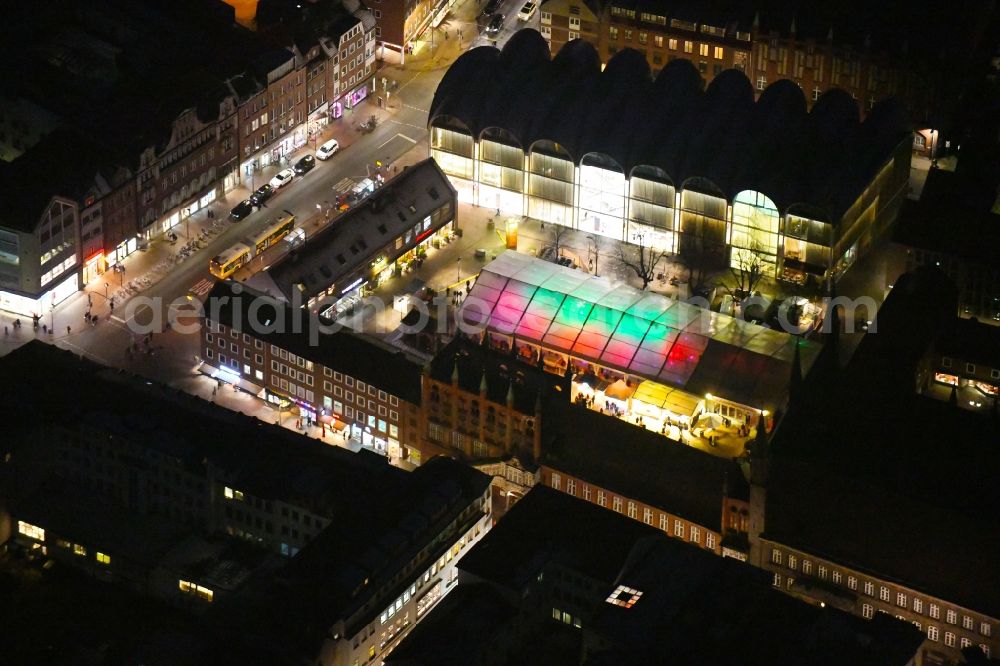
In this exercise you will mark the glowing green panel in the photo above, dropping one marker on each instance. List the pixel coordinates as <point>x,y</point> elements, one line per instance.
<point>574,312</point>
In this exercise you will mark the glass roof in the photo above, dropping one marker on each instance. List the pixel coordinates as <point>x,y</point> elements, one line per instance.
<point>634,331</point>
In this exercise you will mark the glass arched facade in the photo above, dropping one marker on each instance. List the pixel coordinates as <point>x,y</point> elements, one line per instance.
<point>595,195</point>
<point>756,224</point>
<point>501,170</point>
<point>551,177</point>
<point>651,208</point>
<point>602,196</point>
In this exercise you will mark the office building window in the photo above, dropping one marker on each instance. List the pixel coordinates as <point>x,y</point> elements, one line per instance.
<point>775,556</point>
<point>852,582</point>
<point>616,504</point>
<point>951,617</point>
<point>901,600</point>
<point>867,611</point>
<point>632,512</point>
<point>932,632</point>
<point>883,593</point>
<point>718,52</point>
<point>556,481</point>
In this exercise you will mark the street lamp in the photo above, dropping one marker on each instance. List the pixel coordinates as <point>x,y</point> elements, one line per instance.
<point>596,250</point>
<point>933,159</point>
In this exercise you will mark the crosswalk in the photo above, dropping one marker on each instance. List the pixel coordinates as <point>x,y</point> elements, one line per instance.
<point>202,287</point>
<point>344,185</point>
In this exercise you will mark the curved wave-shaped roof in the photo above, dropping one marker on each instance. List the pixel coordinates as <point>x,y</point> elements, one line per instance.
<point>577,58</point>
<point>525,50</point>
<point>820,159</point>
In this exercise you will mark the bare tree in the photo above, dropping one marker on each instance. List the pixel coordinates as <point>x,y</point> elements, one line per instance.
<point>557,233</point>
<point>642,260</point>
<point>701,259</point>
<point>748,268</point>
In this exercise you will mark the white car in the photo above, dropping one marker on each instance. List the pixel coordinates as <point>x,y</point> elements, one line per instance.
<point>527,11</point>
<point>327,150</point>
<point>282,178</point>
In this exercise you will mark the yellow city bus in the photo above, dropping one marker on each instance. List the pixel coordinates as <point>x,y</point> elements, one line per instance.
<point>239,254</point>
<point>273,233</point>
<point>230,261</point>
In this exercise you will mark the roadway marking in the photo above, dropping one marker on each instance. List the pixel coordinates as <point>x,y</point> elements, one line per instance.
<point>202,287</point>
<point>344,185</point>
<point>400,135</point>
<point>84,352</point>
<point>419,127</point>
<point>415,108</point>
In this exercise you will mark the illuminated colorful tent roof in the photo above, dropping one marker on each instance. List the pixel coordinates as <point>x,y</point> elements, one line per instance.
<point>634,331</point>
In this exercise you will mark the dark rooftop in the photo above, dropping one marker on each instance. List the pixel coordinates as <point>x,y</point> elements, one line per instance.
<point>359,234</point>
<point>354,354</point>
<point>948,219</point>
<point>691,606</point>
<point>919,470</point>
<point>503,374</point>
<point>639,463</point>
<point>972,341</point>
<point>547,527</point>
<point>264,459</point>
<point>822,158</point>
<point>357,556</point>
<point>695,608</point>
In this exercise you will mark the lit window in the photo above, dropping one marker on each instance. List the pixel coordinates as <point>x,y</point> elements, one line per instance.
<point>775,556</point>
<point>935,611</point>
<point>79,550</point>
<point>901,600</point>
<point>703,49</point>
<point>792,561</point>
<point>985,628</point>
<point>31,531</point>
<point>102,558</point>
<point>867,611</point>
<point>951,617</point>
<point>932,632</point>
<point>883,593</point>
<point>869,588</point>
<point>852,582</point>
<point>623,596</point>
<point>949,639</point>
<point>918,605</point>
<point>718,53</point>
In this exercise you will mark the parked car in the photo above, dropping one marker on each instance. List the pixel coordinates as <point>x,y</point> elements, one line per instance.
<point>527,11</point>
<point>263,193</point>
<point>282,178</point>
<point>305,164</point>
<point>495,25</point>
<point>327,150</point>
<point>241,210</point>
<point>491,7</point>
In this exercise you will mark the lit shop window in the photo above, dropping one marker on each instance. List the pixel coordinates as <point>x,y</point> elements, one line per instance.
<point>30,531</point>
<point>188,587</point>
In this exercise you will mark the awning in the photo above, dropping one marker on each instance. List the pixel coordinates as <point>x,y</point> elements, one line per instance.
<point>664,397</point>
<point>620,390</point>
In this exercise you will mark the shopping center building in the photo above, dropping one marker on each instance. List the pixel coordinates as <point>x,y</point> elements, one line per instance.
<point>686,371</point>
<point>700,172</point>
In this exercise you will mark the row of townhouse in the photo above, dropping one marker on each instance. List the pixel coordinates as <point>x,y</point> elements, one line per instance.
<point>69,221</point>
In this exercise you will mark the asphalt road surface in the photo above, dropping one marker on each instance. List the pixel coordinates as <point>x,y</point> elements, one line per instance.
<point>173,355</point>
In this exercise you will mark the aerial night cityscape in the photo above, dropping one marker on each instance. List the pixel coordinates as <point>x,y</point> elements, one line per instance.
<point>500,332</point>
